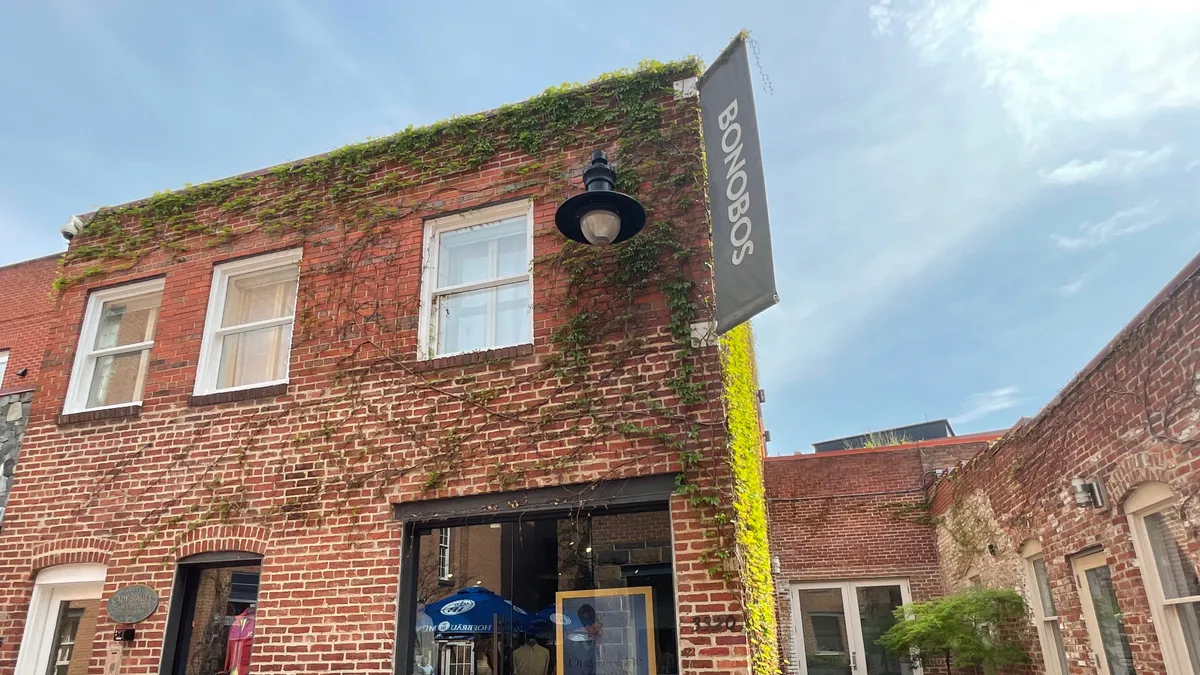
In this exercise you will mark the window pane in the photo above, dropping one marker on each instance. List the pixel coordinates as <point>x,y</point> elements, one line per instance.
<point>823,626</point>
<point>74,635</point>
<point>1189,621</point>
<point>127,321</point>
<point>260,296</point>
<point>598,587</point>
<point>1043,587</point>
<point>1112,624</point>
<point>510,252</point>
<point>1056,645</point>
<point>462,321</point>
<point>219,623</point>
<point>876,614</point>
<point>1177,573</point>
<point>512,315</point>
<point>118,379</point>
<point>482,252</point>
<point>254,356</point>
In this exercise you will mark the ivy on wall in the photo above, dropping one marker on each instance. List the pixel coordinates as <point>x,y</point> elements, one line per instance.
<point>749,502</point>
<point>362,191</point>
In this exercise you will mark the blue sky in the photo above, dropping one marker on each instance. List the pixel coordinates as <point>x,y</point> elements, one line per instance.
<point>968,197</point>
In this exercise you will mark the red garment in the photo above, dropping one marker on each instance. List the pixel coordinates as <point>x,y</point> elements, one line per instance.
<point>237,649</point>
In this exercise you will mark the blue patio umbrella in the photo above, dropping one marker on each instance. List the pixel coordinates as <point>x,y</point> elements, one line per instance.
<point>543,623</point>
<point>472,610</point>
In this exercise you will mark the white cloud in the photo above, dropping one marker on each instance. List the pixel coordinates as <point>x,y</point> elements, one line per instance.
<point>1116,165</point>
<point>1067,290</point>
<point>1063,61</point>
<point>1192,165</point>
<point>985,403</point>
<point>1122,223</point>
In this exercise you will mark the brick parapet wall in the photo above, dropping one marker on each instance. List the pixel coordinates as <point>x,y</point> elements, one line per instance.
<point>330,569</point>
<point>1132,416</point>
<point>851,515</point>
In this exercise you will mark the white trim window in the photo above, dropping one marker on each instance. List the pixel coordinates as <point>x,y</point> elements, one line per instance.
<point>3,365</point>
<point>444,572</point>
<point>248,330</point>
<point>55,589</point>
<point>1045,611</point>
<point>1172,584</point>
<point>477,290</point>
<point>113,356</point>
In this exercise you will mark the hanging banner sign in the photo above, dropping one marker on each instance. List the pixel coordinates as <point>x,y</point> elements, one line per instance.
<point>744,272</point>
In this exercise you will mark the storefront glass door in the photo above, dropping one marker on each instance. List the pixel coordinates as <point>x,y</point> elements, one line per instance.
<point>838,626</point>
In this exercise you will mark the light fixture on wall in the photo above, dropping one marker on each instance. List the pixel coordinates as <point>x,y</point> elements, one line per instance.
<point>600,216</point>
<point>1087,493</point>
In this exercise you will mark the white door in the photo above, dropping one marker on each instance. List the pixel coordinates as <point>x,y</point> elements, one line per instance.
<point>1106,627</point>
<point>42,651</point>
<point>836,627</point>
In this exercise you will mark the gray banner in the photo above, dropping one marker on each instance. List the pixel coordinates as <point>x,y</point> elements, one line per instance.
<point>744,272</point>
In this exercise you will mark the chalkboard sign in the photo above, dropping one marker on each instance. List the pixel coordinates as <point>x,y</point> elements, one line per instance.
<point>132,604</point>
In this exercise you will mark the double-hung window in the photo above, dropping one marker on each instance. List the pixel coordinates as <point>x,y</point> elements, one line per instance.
<point>477,288</point>
<point>1045,611</point>
<point>444,572</point>
<point>3,365</point>
<point>113,356</point>
<point>1170,576</point>
<point>248,332</point>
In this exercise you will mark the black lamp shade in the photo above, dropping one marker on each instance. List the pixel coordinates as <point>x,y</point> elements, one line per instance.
<point>599,178</point>
<point>633,216</point>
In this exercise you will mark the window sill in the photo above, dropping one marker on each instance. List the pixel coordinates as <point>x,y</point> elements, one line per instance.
<point>471,358</point>
<point>239,395</point>
<point>123,412</point>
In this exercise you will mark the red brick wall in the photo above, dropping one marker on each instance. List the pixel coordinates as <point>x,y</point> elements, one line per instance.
<point>28,309</point>
<point>1130,417</point>
<point>856,514</point>
<point>329,572</point>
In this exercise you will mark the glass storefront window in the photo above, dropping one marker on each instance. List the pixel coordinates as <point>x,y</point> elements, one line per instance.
<point>213,622</point>
<point>586,593</point>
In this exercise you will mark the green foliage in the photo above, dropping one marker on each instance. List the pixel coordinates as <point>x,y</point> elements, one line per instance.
<point>749,500</point>
<point>883,439</point>
<point>968,628</point>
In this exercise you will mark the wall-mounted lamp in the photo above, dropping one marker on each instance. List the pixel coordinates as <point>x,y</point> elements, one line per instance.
<point>1087,493</point>
<point>600,216</point>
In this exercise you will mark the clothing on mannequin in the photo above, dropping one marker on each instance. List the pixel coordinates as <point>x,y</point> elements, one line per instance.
<point>241,638</point>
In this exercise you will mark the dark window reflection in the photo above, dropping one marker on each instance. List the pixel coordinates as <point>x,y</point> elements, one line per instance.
<point>590,594</point>
<point>216,631</point>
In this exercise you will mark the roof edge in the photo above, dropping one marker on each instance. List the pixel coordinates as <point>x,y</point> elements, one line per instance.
<point>980,437</point>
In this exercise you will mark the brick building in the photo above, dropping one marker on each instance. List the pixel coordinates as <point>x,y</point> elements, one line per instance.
<point>1090,508</point>
<point>23,334</point>
<point>852,538</point>
<point>264,399</point>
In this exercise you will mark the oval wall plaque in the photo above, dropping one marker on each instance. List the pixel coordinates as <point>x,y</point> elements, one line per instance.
<point>132,604</point>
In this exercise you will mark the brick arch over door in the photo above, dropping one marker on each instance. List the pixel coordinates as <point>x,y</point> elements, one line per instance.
<point>213,538</point>
<point>70,551</point>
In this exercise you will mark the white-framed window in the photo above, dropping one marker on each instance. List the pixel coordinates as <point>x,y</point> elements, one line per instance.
<point>477,288</point>
<point>1159,538</point>
<point>3,365</point>
<point>248,330</point>
<point>444,572</point>
<point>113,355</point>
<point>1045,610</point>
<point>55,589</point>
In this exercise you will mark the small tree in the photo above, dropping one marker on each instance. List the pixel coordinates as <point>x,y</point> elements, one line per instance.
<point>969,625</point>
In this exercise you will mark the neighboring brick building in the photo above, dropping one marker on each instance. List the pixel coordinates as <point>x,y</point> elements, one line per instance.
<point>850,528</point>
<point>28,309</point>
<point>1121,579</point>
<point>264,397</point>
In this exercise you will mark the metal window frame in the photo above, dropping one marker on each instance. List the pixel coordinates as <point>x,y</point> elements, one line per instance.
<point>183,600</point>
<point>423,517</point>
